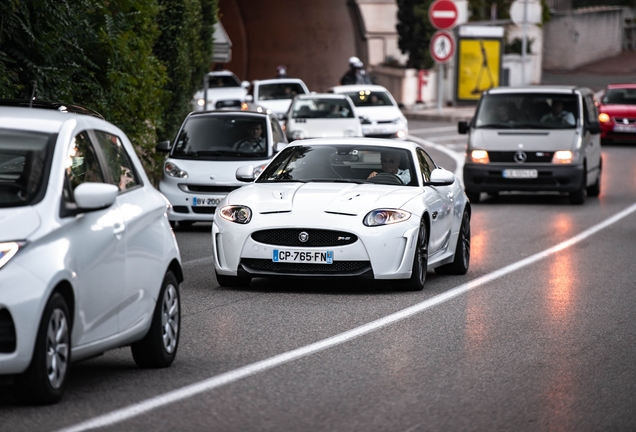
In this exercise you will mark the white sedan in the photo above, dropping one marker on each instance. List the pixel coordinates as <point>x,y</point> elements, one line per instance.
<point>356,207</point>
<point>322,116</point>
<point>88,261</point>
<point>381,117</point>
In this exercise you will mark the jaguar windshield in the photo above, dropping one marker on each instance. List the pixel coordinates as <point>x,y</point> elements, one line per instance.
<point>528,111</point>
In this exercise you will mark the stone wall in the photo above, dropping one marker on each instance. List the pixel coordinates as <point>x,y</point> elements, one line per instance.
<point>582,36</point>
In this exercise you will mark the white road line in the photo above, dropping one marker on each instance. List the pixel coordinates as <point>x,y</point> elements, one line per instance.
<point>457,156</point>
<point>437,129</point>
<point>197,261</point>
<point>446,137</point>
<point>122,414</point>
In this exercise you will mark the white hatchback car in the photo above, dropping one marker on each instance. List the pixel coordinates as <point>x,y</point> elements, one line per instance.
<point>210,146</point>
<point>322,116</point>
<point>276,94</point>
<point>88,261</point>
<point>225,90</point>
<point>381,117</point>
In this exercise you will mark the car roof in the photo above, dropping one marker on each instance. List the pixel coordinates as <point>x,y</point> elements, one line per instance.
<point>358,87</point>
<point>279,81</point>
<point>37,119</point>
<point>322,96</point>
<point>536,89</point>
<point>57,106</point>
<point>227,112</point>
<point>406,145</point>
<point>619,86</point>
<point>223,72</point>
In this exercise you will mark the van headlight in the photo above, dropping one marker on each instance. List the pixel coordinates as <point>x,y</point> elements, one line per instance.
<point>562,157</point>
<point>8,251</point>
<point>479,156</point>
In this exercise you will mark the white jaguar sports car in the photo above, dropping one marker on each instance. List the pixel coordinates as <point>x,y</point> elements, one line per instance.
<point>357,207</point>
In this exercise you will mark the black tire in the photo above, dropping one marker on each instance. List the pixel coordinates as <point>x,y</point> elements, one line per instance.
<point>158,348</point>
<point>461,261</point>
<point>595,189</point>
<point>473,197</point>
<point>420,263</point>
<point>577,197</point>
<point>45,379</point>
<point>232,281</point>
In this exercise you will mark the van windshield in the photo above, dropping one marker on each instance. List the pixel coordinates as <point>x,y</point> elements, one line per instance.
<point>528,111</point>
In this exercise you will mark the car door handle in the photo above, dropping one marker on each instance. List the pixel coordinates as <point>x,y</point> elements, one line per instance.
<point>435,215</point>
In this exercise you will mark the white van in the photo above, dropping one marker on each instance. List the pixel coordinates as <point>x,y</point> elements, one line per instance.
<point>538,138</point>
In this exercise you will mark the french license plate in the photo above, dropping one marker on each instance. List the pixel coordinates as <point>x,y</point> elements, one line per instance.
<point>625,128</point>
<point>379,130</point>
<point>294,256</point>
<point>206,201</point>
<point>520,173</point>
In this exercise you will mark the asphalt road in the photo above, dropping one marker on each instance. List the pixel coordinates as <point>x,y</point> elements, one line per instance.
<point>532,338</point>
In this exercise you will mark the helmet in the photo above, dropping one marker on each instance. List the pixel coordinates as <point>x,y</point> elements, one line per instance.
<point>281,71</point>
<point>353,60</point>
<point>358,64</point>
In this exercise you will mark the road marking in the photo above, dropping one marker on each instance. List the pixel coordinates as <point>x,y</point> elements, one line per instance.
<point>456,156</point>
<point>131,411</point>
<point>437,129</point>
<point>197,261</point>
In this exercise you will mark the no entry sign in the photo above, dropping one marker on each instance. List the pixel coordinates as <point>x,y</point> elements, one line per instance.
<point>443,14</point>
<point>442,46</point>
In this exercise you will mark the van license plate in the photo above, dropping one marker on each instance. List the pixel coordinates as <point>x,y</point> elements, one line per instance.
<point>520,173</point>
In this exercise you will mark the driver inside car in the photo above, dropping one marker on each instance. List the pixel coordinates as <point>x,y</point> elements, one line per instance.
<point>391,164</point>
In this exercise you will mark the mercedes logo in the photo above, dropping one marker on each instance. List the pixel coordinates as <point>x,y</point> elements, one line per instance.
<point>303,237</point>
<point>520,157</point>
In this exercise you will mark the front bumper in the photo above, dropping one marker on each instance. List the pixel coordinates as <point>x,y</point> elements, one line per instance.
<point>380,252</point>
<point>489,178</point>
<point>385,130</point>
<point>608,133</point>
<point>22,297</point>
<point>184,201</point>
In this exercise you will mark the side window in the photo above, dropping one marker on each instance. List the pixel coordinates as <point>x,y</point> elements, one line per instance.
<point>118,163</point>
<point>81,166</point>
<point>277,132</point>
<point>426,164</point>
<point>591,112</point>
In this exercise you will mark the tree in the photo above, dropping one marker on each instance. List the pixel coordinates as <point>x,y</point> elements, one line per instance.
<point>415,32</point>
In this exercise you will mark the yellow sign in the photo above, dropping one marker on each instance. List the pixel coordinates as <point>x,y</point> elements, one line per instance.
<point>478,66</point>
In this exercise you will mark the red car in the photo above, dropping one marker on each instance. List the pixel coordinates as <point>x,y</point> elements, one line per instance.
<point>617,113</point>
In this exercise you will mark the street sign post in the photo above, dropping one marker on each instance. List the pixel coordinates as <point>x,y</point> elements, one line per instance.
<point>442,46</point>
<point>443,14</point>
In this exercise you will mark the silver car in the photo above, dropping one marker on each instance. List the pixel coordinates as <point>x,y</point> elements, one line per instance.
<point>210,146</point>
<point>537,138</point>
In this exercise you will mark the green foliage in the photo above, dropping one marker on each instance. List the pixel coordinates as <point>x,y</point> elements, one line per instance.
<point>415,32</point>
<point>114,56</point>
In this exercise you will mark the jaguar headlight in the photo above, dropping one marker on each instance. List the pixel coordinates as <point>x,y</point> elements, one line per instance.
<point>385,217</point>
<point>8,251</point>
<point>236,213</point>
<point>172,170</point>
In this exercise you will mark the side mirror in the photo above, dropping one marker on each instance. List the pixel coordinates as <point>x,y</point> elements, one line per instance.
<point>245,174</point>
<point>441,177</point>
<point>95,196</point>
<point>245,84</point>
<point>594,127</point>
<point>249,98</point>
<point>163,146</point>
<point>279,146</point>
<point>462,127</point>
